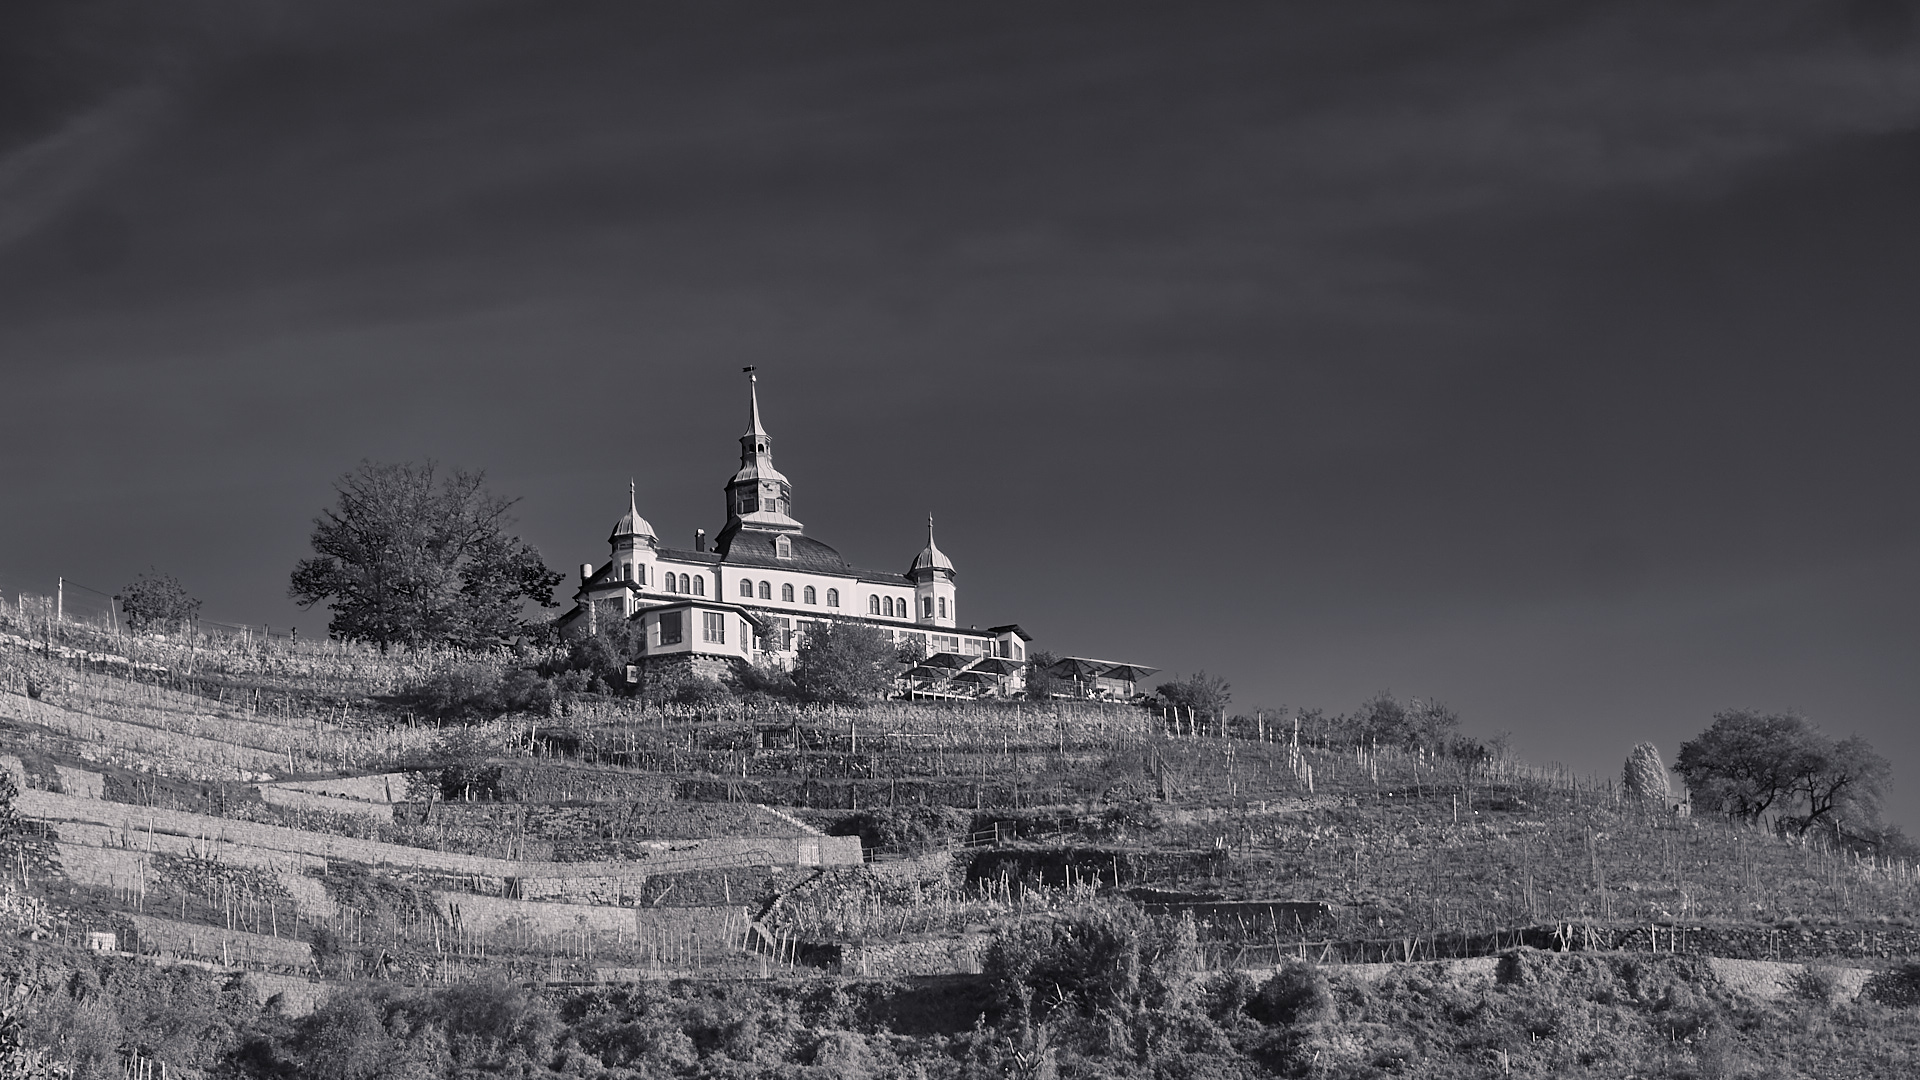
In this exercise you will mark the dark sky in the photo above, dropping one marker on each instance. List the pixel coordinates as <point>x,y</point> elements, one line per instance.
<point>1556,360</point>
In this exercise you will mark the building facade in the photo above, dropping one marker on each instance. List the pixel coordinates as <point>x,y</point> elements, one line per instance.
<point>753,594</point>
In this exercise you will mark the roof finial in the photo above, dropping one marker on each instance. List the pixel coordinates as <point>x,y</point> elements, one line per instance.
<point>753,392</point>
<point>633,496</point>
<point>929,527</point>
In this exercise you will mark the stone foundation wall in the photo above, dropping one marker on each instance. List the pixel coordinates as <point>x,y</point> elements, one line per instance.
<point>678,666</point>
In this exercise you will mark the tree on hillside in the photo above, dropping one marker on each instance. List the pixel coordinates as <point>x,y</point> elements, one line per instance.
<point>1747,764</point>
<point>1206,695</point>
<point>844,664</point>
<point>408,557</point>
<point>155,602</point>
<point>1644,778</point>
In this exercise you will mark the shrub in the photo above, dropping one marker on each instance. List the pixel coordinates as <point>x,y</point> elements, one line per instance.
<point>694,692</point>
<point>763,684</point>
<point>1815,983</point>
<point>1296,994</point>
<point>913,829</point>
<point>1898,987</point>
<point>156,602</point>
<point>1099,958</point>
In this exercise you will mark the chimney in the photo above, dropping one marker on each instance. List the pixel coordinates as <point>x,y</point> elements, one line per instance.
<point>699,539</point>
<point>586,571</point>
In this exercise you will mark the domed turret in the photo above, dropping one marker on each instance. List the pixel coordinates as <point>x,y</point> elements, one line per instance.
<point>932,575</point>
<point>632,524</point>
<point>930,557</point>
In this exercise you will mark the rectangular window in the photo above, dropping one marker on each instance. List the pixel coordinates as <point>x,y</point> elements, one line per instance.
<point>713,627</point>
<point>943,607</point>
<point>746,634</point>
<point>670,628</point>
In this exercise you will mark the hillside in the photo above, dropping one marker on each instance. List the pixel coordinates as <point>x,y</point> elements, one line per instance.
<point>958,889</point>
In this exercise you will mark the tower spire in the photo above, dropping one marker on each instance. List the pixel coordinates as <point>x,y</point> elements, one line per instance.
<point>753,395</point>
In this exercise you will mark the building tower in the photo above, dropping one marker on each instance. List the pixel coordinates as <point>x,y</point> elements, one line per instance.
<point>758,496</point>
<point>633,546</point>
<point>932,576</point>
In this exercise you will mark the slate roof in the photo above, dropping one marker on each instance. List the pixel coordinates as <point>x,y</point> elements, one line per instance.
<point>754,548</point>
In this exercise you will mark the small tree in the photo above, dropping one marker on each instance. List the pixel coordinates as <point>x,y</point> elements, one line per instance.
<point>844,664</point>
<point>1206,695</point>
<point>1042,683</point>
<point>156,603</point>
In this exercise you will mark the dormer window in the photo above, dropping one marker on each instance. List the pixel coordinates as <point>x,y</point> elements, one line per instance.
<point>783,547</point>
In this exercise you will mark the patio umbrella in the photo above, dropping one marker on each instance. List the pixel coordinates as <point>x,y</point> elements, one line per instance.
<point>1128,672</point>
<point>979,678</point>
<point>924,672</point>
<point>1077,667</point>
<point>994,665</point>
<point>947,660</point>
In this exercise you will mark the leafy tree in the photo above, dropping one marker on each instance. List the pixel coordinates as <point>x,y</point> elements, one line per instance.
<point>409,558</point>
<point>845,664</point>
<point>1749,763</point>
<point>1042,683</point>
<point>1205,694</point>
<point>155,602</point>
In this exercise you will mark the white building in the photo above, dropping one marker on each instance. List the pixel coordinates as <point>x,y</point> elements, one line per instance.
<point>752,595</point>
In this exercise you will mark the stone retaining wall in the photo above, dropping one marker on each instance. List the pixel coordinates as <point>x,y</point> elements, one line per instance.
<point>664,857</point>
<point>377,788</point>
<point>87,785</point>
<point>491,914</point>
<point>557,782</point>
<point>151,934</point>
<point>332,804</point>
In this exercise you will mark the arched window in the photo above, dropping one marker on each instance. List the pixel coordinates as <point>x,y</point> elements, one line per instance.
<point>926,607</point>
<point>766,590</point>
<point>886,607</point>
<point>786,594</point>
<point>783,547</point>
<point>686,584</point>
<point>746,588</point>
<point>700,586</point>
<point>873,604</point>
<point>669,583</point>
<point>833,597</point>
<point>810,596</point>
